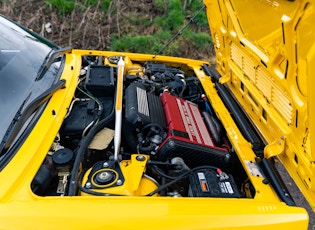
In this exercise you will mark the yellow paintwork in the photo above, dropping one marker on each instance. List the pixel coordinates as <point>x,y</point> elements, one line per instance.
<point>20,208</point>
<point>265,53</point>
<point>135,184</point>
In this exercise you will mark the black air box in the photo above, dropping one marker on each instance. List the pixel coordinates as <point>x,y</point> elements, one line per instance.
<point>193,154</point>
<point>100,80</point>
<point>82,114</point>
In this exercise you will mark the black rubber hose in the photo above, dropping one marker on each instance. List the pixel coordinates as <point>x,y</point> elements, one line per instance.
<point>275,180</point>
<point>206,69</point>
<point>184,175</point>
<point>212,72</point>
<point>240,119</point>
<point>85,141</point>
<point>212,127</point>
<point>162,173</point>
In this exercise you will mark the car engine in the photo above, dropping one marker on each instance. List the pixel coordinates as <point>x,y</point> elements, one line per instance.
<point>169,141</point>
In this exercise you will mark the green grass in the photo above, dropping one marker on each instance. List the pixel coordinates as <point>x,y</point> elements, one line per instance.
<point>139,44</point>
<point>105,4</point>
<point>63,6</point>
<point>173,19</point>
<point>149,30</point>
<point>198,40</point>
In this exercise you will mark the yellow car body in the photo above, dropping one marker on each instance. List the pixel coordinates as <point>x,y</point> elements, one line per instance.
<point>255,65</point>
<point>267,61</point>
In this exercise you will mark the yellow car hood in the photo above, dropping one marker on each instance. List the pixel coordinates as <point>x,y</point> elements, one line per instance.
<point>265,56</point>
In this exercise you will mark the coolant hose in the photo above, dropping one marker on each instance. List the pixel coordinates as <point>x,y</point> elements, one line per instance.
<point>213,128</point>
<point>85,141</point>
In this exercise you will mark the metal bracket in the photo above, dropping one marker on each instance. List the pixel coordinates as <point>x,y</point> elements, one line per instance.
<point>275,148</point>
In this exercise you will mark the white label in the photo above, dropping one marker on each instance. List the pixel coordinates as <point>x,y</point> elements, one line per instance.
<point>226,187</point>
<point>229,187</point>
<point>203,182</point>
<point>201,176</point>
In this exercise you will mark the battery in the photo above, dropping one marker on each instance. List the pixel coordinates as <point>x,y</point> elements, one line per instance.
<point>207,183</point>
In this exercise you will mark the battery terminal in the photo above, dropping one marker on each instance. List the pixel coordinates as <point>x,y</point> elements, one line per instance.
<point>222,175</point>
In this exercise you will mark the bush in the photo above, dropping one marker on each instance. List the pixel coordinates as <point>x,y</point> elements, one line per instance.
<point>174,17</point>
<point>201,20</point>
<point>63,6</point>
<point>130,26</point>
<point>198,40</point>
<point>138,44</point>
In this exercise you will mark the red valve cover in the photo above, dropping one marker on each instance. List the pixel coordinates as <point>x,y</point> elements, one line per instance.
<point>188,136</point>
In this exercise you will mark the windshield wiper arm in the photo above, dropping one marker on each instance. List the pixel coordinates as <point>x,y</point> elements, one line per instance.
<point>21,117</point>
<point>50,58</point>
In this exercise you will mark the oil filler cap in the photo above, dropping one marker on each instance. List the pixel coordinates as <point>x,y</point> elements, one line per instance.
<point>62,157</point>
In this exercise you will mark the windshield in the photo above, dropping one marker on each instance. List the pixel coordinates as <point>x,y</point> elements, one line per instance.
<point>21,57</point>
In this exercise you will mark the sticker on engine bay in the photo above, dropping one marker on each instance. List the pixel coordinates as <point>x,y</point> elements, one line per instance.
<point>226,187</point>
<point>254,169</point>
<point>203,182</point>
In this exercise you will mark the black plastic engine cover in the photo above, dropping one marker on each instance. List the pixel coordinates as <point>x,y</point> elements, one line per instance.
<point>100,80</point>
<point>142,108</point>
<point>82,114</point>
<point>194,155</point>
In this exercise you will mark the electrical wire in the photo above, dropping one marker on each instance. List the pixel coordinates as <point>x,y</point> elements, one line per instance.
<point>160,188</point>
<point>184,175</point>
<point>87,128</point>
<point>85,141</point>
<point>163,174</point>
<point>100,106</point>
<point>72,103</point>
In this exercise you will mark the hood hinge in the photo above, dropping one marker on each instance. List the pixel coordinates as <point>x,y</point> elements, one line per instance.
<point>275,148</point>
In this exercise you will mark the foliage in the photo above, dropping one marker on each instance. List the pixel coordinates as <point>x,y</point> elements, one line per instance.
<point>105,4</point>
<point>198,40</point>
<point>201,20</point>
<point>140,44</point>
<point>90,3</point>
<point>63,6</point>
<point>128,26</point>
<point>174,16</point>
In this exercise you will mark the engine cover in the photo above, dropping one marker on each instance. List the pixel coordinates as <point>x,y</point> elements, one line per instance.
<point>185,121</point>
<point>142,107</point>
<point>188,136</point>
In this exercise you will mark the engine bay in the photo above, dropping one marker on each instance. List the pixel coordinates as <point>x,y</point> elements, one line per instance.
<point>151,133</point>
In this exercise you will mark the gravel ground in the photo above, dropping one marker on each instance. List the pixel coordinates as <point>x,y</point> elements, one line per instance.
<point>297,195</point>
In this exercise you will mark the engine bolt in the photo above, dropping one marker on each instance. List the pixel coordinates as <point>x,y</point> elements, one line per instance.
<point>103,175</point>
<point>140,158</point>
<point>171,144</point>
<point>105,165</point>
<point>88,185</point>
<point>119,182</point>
<point>227,157</point>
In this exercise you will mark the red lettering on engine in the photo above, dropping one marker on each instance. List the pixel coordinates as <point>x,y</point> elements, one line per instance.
<point>184,120</point>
